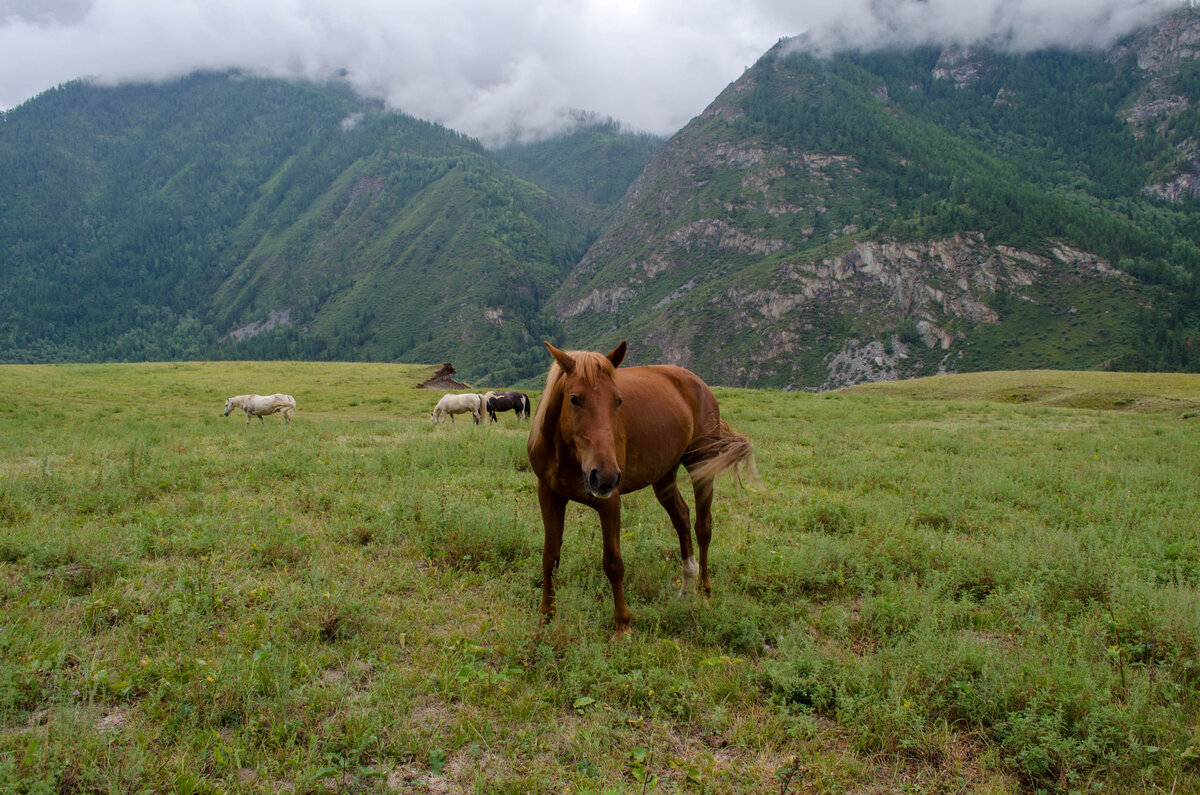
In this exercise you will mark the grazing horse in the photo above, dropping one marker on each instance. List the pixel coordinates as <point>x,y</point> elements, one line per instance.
<point>452,404</point>
<point>262,405</point>
<point>601,431</point>
<point>517,402</point>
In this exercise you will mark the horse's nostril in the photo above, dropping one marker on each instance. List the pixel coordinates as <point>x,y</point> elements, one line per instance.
<point>599,483</point>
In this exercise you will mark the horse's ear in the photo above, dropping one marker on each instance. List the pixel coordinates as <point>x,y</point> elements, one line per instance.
<point>618,354</point>
<point>565,360</point>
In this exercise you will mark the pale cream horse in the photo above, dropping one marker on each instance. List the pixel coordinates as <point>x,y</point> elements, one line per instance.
<point>262,405</point>
<point>452,404</point>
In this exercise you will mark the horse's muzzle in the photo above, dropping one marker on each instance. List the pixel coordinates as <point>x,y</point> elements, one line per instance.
<point>603,485</point>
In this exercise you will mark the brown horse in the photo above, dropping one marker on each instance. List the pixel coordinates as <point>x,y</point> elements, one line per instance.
<point>600,432</point>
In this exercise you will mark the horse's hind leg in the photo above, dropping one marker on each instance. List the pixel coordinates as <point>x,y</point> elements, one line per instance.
<point>667,492</point>
<point>703,490</point>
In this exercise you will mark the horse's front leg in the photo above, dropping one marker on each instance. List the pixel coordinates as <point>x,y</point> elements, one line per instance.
<point>554,509</point>
<point>614,566</point>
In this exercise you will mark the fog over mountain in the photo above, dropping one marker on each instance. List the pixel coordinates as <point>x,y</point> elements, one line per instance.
<point>503,70</point>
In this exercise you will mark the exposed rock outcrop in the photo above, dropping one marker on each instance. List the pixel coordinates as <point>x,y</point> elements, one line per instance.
<point>962,64</point>
<point>939,290</point>
<point>1166,46</point>
<point>276,317</point>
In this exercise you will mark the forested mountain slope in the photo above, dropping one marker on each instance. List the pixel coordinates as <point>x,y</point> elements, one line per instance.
<point>222,216</point>
<point>866,216</point>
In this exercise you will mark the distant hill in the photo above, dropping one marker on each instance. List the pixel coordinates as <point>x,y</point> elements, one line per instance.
<point>827,220</point>
<point>588,169</point>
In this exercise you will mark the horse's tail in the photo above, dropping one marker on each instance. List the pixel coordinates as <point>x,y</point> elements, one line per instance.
<point>724,449</point>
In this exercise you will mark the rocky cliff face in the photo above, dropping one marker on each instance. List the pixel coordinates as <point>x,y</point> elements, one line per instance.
<point>1161,52</point>
<point>1166,46</point>
<point>914,306</point>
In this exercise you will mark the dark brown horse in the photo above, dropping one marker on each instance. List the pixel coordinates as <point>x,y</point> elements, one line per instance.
<point>600,432</point>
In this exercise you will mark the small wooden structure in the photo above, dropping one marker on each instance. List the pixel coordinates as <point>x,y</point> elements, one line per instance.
<point>443,379</point>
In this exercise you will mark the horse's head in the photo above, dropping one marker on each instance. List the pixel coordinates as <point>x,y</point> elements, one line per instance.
<point>229,406</point>
<point>587,415</point>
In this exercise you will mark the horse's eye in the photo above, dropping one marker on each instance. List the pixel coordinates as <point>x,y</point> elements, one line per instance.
<point>576,401</point>
<point>620,401</point>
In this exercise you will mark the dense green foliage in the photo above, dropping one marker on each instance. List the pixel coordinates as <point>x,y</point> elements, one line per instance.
<point>975,583</point>
<point>119,207</point>
<point>591,168</point>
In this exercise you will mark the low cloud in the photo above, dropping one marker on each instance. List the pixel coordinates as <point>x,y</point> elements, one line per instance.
<point>505,69</point>
<point>1014,25</point>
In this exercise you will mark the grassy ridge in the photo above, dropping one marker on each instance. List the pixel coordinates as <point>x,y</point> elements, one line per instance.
<point>933,588</point>
<point>1160,392</point>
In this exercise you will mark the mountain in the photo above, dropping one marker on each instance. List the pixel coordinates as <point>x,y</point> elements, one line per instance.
<point>588,169</point>
<point>222,216</point>
<point>828,219</point>
<point>866,216</point>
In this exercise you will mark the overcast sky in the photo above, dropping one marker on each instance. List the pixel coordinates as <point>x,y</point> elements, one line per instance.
<point>492,68</point>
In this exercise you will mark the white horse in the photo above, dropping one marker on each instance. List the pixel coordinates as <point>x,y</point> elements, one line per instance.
<point>261,405</point>
<point>452,404</point>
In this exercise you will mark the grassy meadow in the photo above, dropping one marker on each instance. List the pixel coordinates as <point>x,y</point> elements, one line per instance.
<point>985,583</point>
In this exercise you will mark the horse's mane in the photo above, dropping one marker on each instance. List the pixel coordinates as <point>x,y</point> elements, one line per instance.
<point>589,365</point>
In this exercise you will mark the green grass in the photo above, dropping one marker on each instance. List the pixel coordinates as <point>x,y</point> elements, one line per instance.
<point>983,583</point>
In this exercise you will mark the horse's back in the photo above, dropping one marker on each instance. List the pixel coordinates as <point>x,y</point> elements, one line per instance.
<point>670,394</point>
<point>461,402</point>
